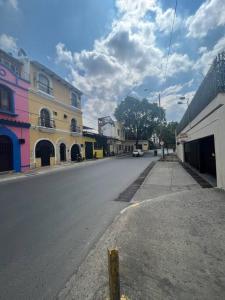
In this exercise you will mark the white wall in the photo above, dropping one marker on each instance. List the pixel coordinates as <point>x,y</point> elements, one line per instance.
<point>107,130</point>
<point>211,121</point>
<point>112,131</point>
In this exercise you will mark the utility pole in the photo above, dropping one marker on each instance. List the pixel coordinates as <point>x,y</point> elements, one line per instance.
<point>161,141</point>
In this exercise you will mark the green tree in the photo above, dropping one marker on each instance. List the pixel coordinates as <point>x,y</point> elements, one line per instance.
<point>166,133</point>
<point>139,117</point>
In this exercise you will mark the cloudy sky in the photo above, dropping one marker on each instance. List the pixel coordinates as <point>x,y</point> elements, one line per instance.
<point>109,49</point>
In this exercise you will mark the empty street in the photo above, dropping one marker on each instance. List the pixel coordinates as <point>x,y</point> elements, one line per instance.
<point>49,222</point>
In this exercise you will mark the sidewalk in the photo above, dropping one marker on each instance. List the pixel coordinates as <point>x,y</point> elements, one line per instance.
<point>11,176</point>
<point>171,246</point>
<point>165,178</point>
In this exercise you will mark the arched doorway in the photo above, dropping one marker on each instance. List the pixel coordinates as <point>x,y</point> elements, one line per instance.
<point>75,152</point>
<point>44,150</point>
<point>62,150</point>
<point>6,153</point>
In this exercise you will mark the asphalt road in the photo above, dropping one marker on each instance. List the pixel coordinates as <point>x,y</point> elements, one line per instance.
<point>48,223</point>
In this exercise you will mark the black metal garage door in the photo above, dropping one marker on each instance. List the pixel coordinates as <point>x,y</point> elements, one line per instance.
<point>201,154</point>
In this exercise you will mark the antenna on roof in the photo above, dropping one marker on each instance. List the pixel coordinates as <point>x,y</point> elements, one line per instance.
<point>22,53</point>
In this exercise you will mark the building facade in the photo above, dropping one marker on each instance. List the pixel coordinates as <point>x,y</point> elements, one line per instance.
<point>14,115</point>
<point>55,117</point>
<point>93,143</point>
<point>115,133</point>
<point>131,145</point>
<point>201,132</point>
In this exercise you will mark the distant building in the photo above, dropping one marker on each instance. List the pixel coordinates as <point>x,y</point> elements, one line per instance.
<point>201,132</point>
<point>130,145</point>
<point>115,133</point>
<point>14,115</point>
<point>155,139</point>
<point>94,144</point>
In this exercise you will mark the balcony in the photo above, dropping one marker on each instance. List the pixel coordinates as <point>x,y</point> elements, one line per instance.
<point>46,125</point>
<point>75,130</point>
<point>45,88</point>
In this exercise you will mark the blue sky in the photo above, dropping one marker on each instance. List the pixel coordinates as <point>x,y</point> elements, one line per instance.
<point>112,47</point>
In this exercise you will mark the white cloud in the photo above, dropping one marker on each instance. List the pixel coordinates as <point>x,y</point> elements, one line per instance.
<point>170,95</point>
<point>121,59</point>
<point>13,3</point>
<point>169,98</point>
<point>204,62</point>
<point>62,54</point>
<point>8,43</point>
<point>10,3</point>
<point>202,50</point>
<point>136,8</point>
<point>209,15</point>
<point>178,63</point>
<point>164,20</point>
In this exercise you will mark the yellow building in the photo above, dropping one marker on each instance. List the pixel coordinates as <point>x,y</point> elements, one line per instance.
<point>93,144</point>
<point>55,117</point>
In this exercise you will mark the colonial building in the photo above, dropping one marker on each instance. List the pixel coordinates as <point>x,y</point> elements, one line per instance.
<point>55,117</point>
<point>14,115</point>
<point>201,132</point>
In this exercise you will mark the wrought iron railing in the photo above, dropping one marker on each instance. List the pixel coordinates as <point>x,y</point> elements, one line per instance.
<point>45,88</point>
<point>212,84</point>
<point>46,122</point>
<point>75,128</point>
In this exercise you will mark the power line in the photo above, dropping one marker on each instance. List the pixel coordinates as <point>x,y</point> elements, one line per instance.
<point>170,40</point>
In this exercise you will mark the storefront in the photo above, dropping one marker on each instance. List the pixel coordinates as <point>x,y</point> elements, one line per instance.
<point>14,119</point>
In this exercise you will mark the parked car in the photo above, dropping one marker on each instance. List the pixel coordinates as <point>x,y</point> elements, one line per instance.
<point>137,153</point>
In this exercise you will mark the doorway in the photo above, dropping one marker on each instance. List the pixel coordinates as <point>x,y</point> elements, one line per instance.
<point>45,150</point>
<point>62,152</point>
<point>88,150</point>
<point>6,153</point>
<point>75,152</point>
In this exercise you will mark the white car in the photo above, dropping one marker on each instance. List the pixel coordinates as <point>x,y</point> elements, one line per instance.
<point>137,153</point>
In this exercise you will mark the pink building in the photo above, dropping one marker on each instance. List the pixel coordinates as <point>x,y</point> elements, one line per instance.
<point>14,115</point>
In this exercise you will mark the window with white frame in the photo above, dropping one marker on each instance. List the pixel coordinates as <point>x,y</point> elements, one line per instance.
<point>44,84</point>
